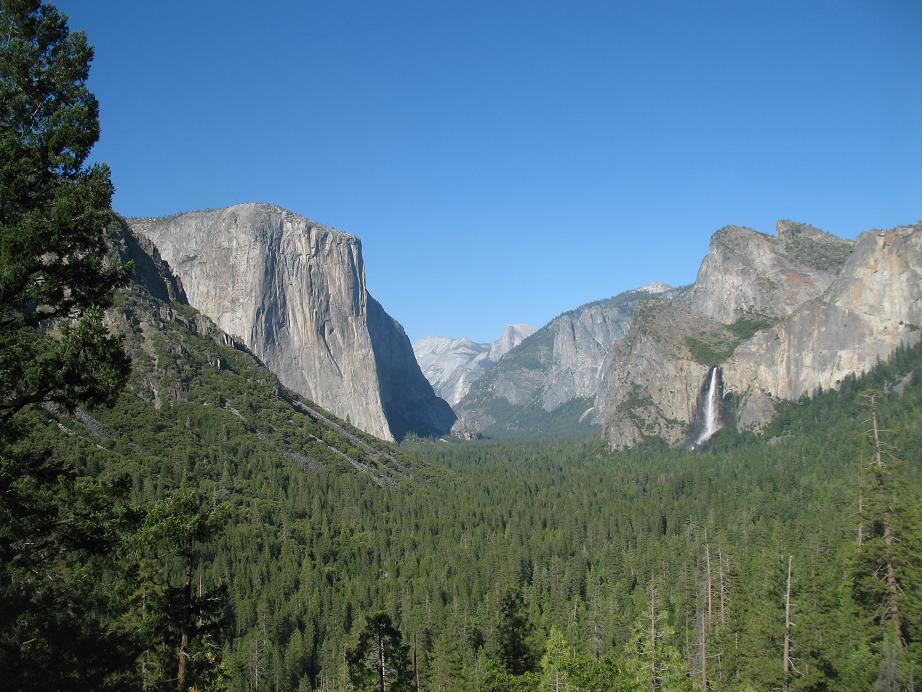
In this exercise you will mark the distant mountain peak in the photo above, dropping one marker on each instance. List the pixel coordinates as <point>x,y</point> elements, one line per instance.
<point>655,287</point>
<point>513,335</point>
<point>452,365</point>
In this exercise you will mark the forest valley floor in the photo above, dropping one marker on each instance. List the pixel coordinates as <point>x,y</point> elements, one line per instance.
<point>786,560</point>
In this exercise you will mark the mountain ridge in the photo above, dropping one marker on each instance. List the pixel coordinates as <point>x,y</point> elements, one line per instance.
<point>452,365</point>
<point>549,380</point>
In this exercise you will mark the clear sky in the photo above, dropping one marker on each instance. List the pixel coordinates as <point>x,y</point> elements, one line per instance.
<point>506,161</point>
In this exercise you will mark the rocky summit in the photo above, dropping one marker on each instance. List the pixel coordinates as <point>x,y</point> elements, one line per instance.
<point>769,317</point>
<point>873,305</point>
<point>294,292</point>
<point>780,316</point>
<point>453,365</point>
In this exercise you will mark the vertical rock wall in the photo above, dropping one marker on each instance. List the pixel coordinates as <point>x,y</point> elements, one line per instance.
<point>294,292</point>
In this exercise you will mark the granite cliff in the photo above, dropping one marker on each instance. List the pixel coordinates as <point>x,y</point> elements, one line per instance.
<point>453,365</point>
<point>872,306</point>
<point>547,384</point>
<point>294,292</point>
<point>780,315</point>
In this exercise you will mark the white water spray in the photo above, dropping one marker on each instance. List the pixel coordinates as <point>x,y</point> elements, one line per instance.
<point>711,412</point>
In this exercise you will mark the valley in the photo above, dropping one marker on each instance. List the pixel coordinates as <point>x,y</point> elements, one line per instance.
<point>225,466</point>
<point>326,523</point>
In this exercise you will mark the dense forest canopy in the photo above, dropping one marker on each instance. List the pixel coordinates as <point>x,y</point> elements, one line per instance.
<point>590,546</point>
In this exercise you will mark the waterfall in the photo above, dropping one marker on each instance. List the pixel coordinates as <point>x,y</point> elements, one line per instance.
<point>711,411</point>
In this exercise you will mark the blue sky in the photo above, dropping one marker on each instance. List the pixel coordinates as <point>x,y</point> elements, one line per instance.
<point>506,161</point>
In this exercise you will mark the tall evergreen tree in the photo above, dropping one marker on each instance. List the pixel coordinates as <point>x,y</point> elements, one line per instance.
<point>57,531</point>
<point>887,559</point>
<point>447,668</point>
<point>186,618</point>
<point>380,659</point>
<point>514,635</point>
<point>652,659</point>
<point>54,273</point>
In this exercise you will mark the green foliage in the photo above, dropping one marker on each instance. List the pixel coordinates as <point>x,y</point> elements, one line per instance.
<point>747,325</point>
<point>53,218</point>
<point>182,622</point>
<point>714,348</point>
<point>313,545</point>
<point>820,253</point>
<point>709,351</point>
<point>514,635</point>
<point>59,596</point>
<point>887,567</point>
<point>498,679</point>
<point>562,670</point>
<point>448,659</point>
<point>380,659</point>
<point>567,421</point>
<point>59,616</point>
<point>652,659</point>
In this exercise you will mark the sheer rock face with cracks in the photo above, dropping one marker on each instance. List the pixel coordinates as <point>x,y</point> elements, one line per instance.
<point>294,292</point>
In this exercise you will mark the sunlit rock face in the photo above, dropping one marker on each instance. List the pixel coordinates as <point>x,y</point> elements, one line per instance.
<point>826,308</point>
<point>873,305</point>
<point>554,372</point>
<point>453,365</point>
<point>746,271</point>
<point>294,292</point>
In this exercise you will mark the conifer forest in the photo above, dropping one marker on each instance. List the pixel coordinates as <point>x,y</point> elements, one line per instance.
<point>173,517</point>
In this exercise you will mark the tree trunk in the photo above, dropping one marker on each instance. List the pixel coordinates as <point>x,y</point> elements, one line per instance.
<point>653,680</point>
<point>183,656</point>
<point>707,557</point>
<point>184,635</point>
<point>381,664</point>
<point>860,519</point>
<point>893,586</point>
<point>787,630</point>
<point>723,593</point>
<point>704,654</point>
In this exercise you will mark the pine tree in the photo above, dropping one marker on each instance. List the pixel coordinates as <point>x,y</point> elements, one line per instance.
<point>55,277</point>
<point>380,659</point>
<point>447,665</point>
<point>652,660</point>
<point>514,635</point>
<point>55,280</point>
<point>555,662</point>
<point>187,616</point>
<point>887,559</point>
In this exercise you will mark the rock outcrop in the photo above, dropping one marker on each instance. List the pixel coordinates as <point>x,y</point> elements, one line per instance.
<point>453,365</point>
<point>746,271</point>
<point>651,383</point>
<point>781,315</point>
<point>294,291</point>
<point>555,372</point>
<point>148,268</point>
<point>872,306</point>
